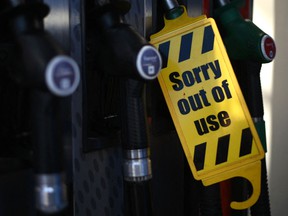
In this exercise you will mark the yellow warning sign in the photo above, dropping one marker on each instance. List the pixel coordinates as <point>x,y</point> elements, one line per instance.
<point>206,104</point>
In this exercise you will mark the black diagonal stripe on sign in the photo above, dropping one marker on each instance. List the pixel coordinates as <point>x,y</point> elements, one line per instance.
<point>208,39</point>
<point>164,49</point>
<point>185,47</point>
<point>246,142</point>
<point>199,156</point>
<point>222,149</point>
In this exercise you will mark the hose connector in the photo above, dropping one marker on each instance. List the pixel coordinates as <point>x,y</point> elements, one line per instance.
<point>50,192</point>
<point>137,165</point>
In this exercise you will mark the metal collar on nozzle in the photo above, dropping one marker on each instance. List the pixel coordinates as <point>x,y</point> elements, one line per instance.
<point>172,9</point>
<point>221,3</point>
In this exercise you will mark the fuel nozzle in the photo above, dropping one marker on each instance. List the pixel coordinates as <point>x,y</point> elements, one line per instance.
<point>40,62</point>
<point>252,43</point>
<point>124,52</point>
<point>248,47</point>
<point>43,67</point>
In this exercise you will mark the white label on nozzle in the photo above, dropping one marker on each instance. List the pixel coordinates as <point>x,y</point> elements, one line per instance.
<point>149,62</point>
<point>62,76</point>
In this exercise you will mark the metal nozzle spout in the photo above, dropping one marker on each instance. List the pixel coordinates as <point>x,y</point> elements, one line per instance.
<point>172,9</point>
<point>170,4</point>
<point>221,3</point>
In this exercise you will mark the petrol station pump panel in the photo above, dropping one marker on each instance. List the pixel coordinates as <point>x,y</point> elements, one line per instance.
<point>206,104</point>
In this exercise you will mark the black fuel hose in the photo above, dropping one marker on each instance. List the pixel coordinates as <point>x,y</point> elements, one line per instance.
<point>137,164</point>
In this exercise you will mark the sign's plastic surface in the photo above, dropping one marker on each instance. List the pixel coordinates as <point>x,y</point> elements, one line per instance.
<point>206,104</point>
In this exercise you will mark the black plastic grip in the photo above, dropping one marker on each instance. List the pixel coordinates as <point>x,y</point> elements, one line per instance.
<point>47,132</point>
<point>248,75</point>
<point>133,115</point>
<point>253,89</point>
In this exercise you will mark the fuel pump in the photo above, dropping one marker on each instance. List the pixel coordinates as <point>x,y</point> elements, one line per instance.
<point>51,77</point>
<point>248,47</point>
<point>126,54</point>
